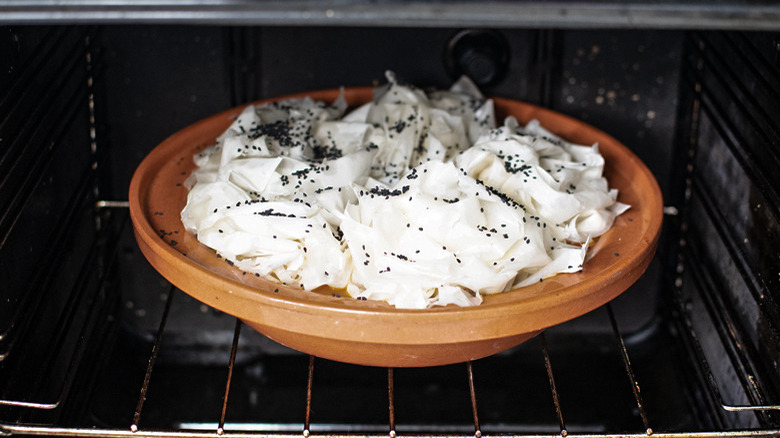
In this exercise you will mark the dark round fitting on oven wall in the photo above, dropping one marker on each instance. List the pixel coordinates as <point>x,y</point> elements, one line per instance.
<point>482,55</point>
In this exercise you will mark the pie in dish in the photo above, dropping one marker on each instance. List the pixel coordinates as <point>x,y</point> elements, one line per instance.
<point>416,198</point>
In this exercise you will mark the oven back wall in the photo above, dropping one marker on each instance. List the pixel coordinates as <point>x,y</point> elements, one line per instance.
<point>160,79</point>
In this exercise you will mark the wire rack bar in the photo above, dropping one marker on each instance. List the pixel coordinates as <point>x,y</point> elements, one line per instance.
<point>112,204</point>
<point>309,382</point>
<point>553,389</point>
<point>451,430</point>
<point>231,364</point>
<point>11,429</point>
<point>152,359</point>
<point>473,395</point>
<point>629,369</point>
<point>391,402</point>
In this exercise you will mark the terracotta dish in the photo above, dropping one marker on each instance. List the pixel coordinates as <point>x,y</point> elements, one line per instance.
<point>374,333</point>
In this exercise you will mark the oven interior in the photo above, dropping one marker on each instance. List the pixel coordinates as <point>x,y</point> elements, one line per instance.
<point>93,341</point>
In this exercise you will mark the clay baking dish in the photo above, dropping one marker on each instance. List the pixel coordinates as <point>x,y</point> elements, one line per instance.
<point>374,333</point>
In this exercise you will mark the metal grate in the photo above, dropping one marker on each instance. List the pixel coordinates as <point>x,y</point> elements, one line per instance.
<point>224,428</point>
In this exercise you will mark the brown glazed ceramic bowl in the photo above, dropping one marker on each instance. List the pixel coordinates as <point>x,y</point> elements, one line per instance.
<point>374,333</point>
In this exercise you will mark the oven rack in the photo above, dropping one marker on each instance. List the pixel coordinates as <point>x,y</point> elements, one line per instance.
<point>97,303</point>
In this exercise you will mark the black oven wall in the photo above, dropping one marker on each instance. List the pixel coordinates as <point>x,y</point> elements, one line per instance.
<point>53,253</point>
<point>726,255</point>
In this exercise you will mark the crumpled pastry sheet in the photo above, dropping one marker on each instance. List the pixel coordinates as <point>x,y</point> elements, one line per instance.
<point>416,199</point>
